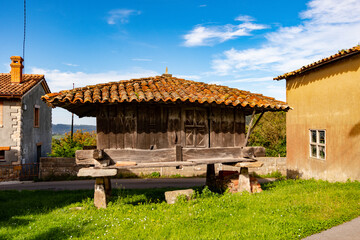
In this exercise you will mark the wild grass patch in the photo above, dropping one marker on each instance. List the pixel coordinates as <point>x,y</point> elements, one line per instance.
<point>289,209</point>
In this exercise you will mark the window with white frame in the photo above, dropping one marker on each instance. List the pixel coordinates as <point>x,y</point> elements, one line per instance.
<point>318,144</point>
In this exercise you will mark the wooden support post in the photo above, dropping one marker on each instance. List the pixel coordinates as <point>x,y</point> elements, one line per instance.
<point>251,127</point>
<point>102,191</point>
<point>210,176</point>
<point>244,180</point>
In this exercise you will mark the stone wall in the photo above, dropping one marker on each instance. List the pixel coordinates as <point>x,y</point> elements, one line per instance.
<point>51,167</point>
<point>55,167</point>
<point>10,131</point>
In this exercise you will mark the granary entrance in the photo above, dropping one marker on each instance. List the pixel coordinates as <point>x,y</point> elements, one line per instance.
<point>196,128</point>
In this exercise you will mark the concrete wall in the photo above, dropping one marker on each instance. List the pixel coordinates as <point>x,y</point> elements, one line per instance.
<point>55,167</point>
<point>32,137</point>
<point>10,131</point>
<point>325,98</point>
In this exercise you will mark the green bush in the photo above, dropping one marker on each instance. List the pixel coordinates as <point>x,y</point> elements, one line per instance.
<point>66,147</point>
<point>270,133</point>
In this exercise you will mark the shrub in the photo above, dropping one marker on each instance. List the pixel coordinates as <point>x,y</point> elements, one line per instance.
<point>66,147</point>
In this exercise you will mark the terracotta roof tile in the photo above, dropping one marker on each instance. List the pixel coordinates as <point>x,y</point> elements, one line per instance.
<point>162,89</point>
<point>8,89</point>
<point>341,54</point>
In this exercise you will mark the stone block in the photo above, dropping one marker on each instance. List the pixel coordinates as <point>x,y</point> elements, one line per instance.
<point>171,196</point>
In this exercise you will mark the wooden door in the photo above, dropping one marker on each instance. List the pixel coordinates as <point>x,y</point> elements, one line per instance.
<point>196,128</point>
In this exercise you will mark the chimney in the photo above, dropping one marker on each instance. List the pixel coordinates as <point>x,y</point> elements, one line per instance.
<point>16,69</point>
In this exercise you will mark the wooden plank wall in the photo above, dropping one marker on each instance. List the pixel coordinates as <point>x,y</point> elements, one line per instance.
<point>227,127</point>
<point>156,126</point>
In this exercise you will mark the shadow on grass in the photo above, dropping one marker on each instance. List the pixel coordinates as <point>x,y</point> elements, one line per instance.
<point>54,233</point>
<point>16,205</point>
<point>142,196</point>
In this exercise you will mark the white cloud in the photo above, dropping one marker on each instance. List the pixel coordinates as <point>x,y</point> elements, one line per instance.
<point>142,59</point>
<point>59,80</point>
<point>244,18</point>
<point>327,27</point>
<point>121,15</point>
<point>211,35</point>
<point>203,5</point>
<point>71,64</point>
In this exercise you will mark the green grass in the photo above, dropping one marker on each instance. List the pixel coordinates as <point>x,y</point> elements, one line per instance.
<point>289,209</point>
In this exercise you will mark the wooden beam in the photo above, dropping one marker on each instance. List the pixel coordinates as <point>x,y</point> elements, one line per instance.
<point>251,128</point>
<point>96,172</point>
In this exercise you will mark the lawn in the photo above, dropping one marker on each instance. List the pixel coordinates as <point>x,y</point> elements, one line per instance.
<point>289,209</point>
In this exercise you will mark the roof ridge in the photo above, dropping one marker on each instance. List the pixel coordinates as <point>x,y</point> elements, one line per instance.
<point>337,56</point>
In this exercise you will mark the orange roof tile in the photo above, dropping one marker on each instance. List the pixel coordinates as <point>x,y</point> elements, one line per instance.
<point>162,89</point>
<point>8,89</point>
<point>341,54</point>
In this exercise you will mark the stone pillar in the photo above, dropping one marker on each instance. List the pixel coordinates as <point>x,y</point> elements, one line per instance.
<point>102,191</point>
<point>244,180</point>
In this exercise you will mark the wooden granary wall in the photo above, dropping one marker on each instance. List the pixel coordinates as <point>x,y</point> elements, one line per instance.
<point>158,126</point>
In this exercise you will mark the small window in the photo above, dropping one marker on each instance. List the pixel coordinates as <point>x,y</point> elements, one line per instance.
<point>318,144</point>
<point>36,116</point>
<point>2,155</point>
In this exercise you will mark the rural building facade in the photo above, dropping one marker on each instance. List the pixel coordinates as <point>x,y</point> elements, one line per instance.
<point>25,120</point>
<point>323,128</point>
<point>164,121</point>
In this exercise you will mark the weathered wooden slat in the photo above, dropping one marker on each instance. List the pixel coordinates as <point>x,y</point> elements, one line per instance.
<point>139,155</point>
<point>153,165</point>
<point>96,172</point>
<point>220,152</point>
<point>178,153</point>
<point>220,160</point>
<point>120,121</point>
<point>246,164</point>
<point>239,134</point>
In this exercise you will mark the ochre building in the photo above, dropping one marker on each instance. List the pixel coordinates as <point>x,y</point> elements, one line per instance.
<point>323,128</point>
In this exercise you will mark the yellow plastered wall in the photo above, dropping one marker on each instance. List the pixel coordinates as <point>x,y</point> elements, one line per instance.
<point>325,98</point>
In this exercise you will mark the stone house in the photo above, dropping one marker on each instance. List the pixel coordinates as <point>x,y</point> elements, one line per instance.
<point>25,120</point>
<point>323,129</point>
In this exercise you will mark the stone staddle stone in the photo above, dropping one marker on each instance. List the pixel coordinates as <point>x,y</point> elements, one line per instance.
<point>171,196</point>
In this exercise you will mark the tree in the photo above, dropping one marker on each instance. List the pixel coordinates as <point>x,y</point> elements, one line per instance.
<point>65,147</point>
<point>270,133</point>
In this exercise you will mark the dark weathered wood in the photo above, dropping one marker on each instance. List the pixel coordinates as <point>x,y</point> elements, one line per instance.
<point>227,127</point>
<point>112,113</point>
<point>230,152</point>
<point>139,155</point>
<point>84,157</point>
<point>178,153</point>
<point>239,134</point>
<point>102,127</point>
<point>120,127</point>
<point>154,164</point>
<point>210,176</point>
<point>174,126</point>
<point>220,160</point>
<point>130,127</point>
<point>251,152</point>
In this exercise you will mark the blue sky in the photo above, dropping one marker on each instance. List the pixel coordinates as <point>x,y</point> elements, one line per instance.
<point>242,44</point>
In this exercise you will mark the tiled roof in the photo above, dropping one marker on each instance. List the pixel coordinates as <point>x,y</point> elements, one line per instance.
<point>163,88</point>
<point>8,89</point>
<point>341,54</point>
